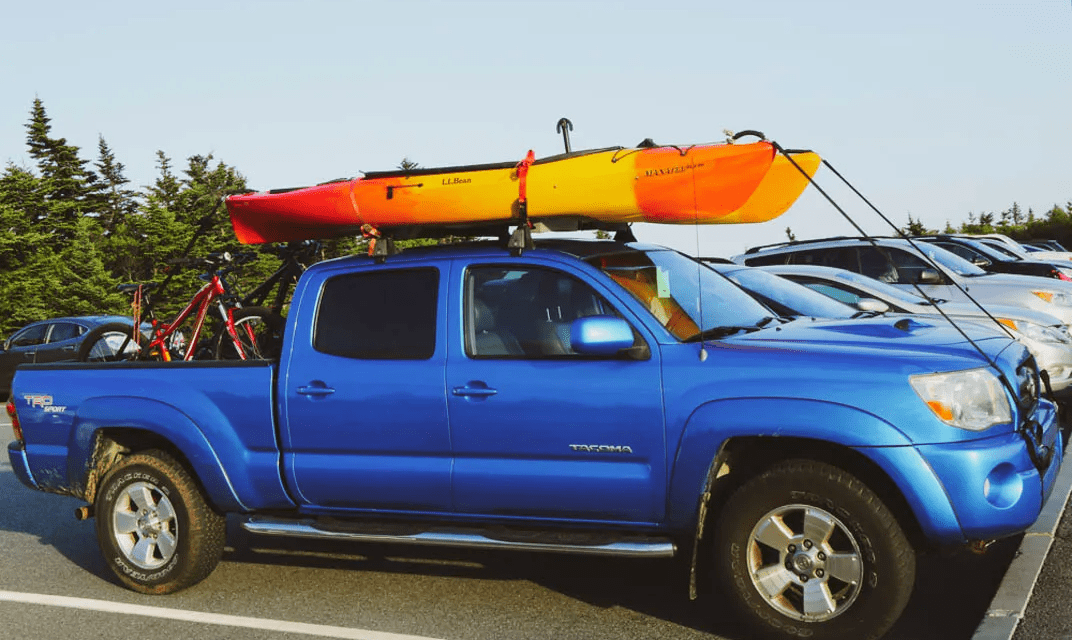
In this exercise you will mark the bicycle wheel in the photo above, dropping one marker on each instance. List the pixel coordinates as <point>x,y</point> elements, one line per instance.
<point>260,335</point>
<point>109,343</point>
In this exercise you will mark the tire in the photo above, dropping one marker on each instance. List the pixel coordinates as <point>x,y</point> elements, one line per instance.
<point>154,528</point>
<point>103,344</point>
<point>260,331</point>
<point>805,528</point>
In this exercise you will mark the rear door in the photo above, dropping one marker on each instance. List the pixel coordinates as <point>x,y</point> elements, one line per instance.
<point>363,403</point>
<point>540,431</point>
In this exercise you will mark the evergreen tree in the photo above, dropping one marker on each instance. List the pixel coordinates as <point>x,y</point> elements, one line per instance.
<point>914,228</point>
<point>116,201</point>
<point>66,183</point>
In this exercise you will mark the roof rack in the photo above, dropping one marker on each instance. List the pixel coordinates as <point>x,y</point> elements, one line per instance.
<point>791,243</point>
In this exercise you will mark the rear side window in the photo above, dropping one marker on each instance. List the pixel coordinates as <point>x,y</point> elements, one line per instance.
<point>383,315</point>
<point>65,331</point>
<point>765,260</point>
<point>840,257</point>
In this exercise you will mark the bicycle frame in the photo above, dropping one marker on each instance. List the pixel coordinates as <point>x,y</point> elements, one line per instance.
<point>202,301</point>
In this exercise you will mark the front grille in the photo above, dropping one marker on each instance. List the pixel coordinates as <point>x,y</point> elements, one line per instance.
<point>1027,387</point>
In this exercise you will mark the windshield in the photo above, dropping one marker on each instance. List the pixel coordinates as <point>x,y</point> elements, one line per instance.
<point>670,285</point>
<point>787,297</point>
<point>950,260</point>
<point>998,248</point>
<point>878,287</point>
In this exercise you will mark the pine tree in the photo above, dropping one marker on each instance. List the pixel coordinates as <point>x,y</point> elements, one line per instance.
<point>66,183</point>
<point>116,201</point>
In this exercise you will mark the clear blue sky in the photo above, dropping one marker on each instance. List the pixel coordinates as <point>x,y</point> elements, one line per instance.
<point>934,109</point>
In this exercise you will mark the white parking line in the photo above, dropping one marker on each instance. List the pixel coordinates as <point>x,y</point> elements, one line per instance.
<point>281,626</point>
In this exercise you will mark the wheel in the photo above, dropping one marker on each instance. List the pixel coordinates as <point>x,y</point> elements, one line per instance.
<point>807,550</point>
<point>104,344</point>
<point>260,334</point>
<point>154,528</point>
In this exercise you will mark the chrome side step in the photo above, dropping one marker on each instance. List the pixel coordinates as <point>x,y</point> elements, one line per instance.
<point>472,538</point>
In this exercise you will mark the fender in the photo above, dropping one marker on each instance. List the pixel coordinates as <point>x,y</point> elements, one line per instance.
<point>253,480</point>
<point>714,423</point>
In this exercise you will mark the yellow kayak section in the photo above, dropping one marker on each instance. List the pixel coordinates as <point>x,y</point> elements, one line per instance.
<point>704,184</point>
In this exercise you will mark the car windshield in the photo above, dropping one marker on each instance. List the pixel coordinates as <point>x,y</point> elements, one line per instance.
<point>880,288</point>
<point>950,260</point>
<point>787,297</point>
<point>686,297</point>
<point>999,248</point>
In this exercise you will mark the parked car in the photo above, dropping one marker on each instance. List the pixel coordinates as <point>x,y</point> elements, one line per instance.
<point>991,259</point>
<point>1022,251</point>
<point>782,296</point>
<point>1043,334</point>
<point>1044,245</point>
<point>922,268</point>
<point>54,340</point>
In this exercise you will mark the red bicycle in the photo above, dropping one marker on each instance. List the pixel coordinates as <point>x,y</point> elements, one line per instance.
<point>245,333</point>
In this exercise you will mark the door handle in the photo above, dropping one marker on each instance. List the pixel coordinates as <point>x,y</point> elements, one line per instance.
<point>315,391</point>
<point>70,348</point>
<point>473,392</point>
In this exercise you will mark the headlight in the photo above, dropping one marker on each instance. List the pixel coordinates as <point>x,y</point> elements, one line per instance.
<point>972,399</point>
<point>1037,332</point>
<point>1054,297</point>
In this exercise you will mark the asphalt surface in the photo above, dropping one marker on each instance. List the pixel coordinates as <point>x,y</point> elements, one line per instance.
<point>1047,615</point>
<point>53,583</point>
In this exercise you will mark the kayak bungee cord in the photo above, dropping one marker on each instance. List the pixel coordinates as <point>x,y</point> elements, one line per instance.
<point>1001,376</point>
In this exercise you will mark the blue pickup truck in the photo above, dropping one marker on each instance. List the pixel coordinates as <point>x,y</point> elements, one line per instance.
<point>590,397</point>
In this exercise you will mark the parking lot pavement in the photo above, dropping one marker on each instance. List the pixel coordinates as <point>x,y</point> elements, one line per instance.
<point>1032,601</point>
<point>1046,617</point>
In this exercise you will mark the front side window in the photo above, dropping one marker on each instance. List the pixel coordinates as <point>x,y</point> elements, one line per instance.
<point>30,336</point>
<point>379,315</point>
<point>525,312</point>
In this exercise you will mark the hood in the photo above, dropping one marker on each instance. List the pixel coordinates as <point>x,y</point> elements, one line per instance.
<point>967,309</point>
<point>918,343</point>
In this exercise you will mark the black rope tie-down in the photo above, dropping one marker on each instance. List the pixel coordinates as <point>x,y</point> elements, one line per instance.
<point>1001,376</point>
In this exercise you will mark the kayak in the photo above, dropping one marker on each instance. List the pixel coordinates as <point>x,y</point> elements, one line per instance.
<point>778,190</point>
<point>705,184</point>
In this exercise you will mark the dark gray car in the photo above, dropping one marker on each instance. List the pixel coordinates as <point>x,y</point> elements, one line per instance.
<point>53,340</point>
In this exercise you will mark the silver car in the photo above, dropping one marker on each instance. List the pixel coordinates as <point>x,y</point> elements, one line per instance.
<point>928,269</point>
<point>1044,335</point>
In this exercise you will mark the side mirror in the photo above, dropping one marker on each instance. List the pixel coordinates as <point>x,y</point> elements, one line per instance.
<point>929,276</point>
<point>980,261</point>
<point>600,335</point>
<point>870,304</point>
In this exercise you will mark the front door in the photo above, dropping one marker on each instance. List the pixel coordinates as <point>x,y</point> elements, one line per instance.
<point>540,431</point>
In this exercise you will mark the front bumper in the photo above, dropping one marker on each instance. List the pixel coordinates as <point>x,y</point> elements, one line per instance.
<point>1056,360</point>
<point>997,486</point>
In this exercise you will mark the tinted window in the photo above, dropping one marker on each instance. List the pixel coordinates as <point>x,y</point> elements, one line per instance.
<point>769,259</point>
<point>964,252</point>
<point>29,336</point>
<point>385,315</point>
<point>65,331</point>
<point>523,312</point>
<point>840,257</point>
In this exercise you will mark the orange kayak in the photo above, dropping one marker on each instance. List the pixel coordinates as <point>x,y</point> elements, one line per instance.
<point>703,184</point>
